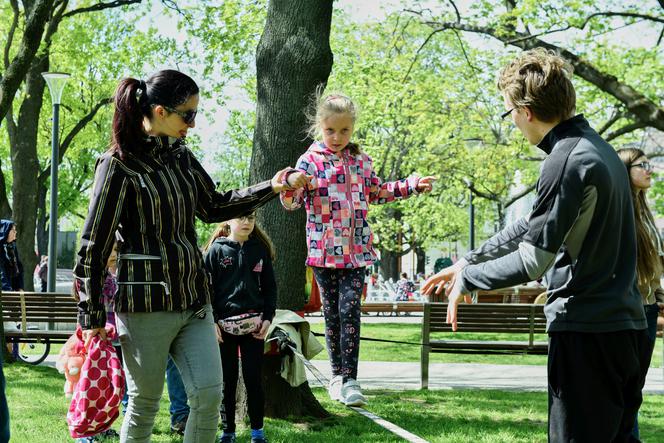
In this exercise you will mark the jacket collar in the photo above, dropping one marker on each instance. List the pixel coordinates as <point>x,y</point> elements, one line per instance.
<point>560,131</point>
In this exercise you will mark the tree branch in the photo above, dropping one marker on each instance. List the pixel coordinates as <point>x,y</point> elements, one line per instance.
<point>625,130</point>
<point>617,115</point>
<point>69,138</point>
<point>15,72</point>
<point>621,14</point>
<point>644,109</point>
<point>456,10</point>
<point>101,7</point>
<point>12,30</point>
<point>519,195</point>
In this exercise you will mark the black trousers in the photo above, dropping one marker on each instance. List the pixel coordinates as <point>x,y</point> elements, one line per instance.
<point>595,383</point>
<point>251,351</point>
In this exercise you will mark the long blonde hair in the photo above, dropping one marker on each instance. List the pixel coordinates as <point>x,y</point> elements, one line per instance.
<point>224,230</point>
<point>647,247</point>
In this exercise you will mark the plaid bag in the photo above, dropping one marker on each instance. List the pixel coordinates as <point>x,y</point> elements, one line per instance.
<point>95,404</point>
<point>242,324</point>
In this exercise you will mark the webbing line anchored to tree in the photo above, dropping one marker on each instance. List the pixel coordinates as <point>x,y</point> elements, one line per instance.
<point>406,435</point>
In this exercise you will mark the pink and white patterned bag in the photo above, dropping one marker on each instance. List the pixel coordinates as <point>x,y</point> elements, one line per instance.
<point>95,404</point>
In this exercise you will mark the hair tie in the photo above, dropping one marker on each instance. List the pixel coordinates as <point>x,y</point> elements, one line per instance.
<point>140,90</point>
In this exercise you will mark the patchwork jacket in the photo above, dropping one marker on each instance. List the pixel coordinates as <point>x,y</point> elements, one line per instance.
<point>338,234</point>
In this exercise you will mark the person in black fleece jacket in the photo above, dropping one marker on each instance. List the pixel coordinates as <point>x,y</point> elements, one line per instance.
<point>239,257</point>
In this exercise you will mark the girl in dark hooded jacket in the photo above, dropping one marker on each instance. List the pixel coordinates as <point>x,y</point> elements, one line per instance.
<point>11,269</point>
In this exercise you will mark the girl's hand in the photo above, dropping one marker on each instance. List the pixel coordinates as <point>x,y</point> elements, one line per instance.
<point>89,333</point>
<point>425,184</point>
<point>217,330</point>
<point>260,335</point>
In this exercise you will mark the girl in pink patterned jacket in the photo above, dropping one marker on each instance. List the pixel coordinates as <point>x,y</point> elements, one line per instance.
<point>339,239</point>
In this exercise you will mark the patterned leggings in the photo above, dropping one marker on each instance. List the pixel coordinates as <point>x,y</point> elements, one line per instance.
<point>341,290</point>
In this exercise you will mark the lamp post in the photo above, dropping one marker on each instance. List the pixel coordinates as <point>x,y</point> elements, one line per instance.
<point>56,83</point>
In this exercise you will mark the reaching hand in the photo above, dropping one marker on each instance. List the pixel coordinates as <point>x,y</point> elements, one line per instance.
<point>445,278</point>
<point>455,295</point>
<point>299,180</point>
<point>260,335</point>
<point>425,184</point>
<point>217,330</point>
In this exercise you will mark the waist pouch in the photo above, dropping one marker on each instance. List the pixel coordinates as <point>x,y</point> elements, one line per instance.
<point>242,324</point>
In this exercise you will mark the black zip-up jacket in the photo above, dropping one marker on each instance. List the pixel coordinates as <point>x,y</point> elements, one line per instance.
<point>580,233</point>
<point>242,278</point>
<point>151,199</point>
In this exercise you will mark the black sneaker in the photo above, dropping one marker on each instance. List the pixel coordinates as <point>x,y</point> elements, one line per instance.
<point>179,426</point>
<point>259,440</point>
<point>227,439</point>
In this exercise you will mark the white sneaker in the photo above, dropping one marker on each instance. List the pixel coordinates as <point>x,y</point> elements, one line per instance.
<point>351,393</point>
<point>334,389</point>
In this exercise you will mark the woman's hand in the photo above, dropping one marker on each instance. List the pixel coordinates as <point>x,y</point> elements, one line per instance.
<point>260,335</point>
<point>217,330</point>
<point>295,180</point>
<point>425,184</point>
<point>89,333</point>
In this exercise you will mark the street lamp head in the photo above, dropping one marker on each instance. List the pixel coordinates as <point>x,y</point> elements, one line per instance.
<point>56,83</point>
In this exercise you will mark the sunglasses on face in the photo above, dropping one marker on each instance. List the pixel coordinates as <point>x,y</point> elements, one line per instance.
<point>506,113</point>
<point>187,116</point>
<point>646,166</point>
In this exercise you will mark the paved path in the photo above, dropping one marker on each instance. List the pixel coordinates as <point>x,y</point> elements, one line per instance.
<point>406,376</point>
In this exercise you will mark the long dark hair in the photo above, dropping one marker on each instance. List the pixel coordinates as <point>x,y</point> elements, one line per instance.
<point>646,245</point>
<point>134,100</point>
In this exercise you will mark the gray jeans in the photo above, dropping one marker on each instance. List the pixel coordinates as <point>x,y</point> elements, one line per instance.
<point>147,339</point>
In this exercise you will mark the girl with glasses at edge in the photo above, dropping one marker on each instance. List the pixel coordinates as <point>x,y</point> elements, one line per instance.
<point>649,248</point>
<point>149,188</point>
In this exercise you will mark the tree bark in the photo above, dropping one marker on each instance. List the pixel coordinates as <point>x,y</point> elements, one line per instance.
<point>293,57</point>
<point>389,264</point>
<point>421,255</point>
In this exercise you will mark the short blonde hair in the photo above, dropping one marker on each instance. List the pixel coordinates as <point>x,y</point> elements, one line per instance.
<point>540,80</point>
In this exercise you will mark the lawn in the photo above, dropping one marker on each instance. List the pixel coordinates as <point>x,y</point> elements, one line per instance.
<point>377,351</point>
<point>37,409</point>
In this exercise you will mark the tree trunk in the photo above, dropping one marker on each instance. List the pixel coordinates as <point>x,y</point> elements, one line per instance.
<point>293,57</point>
<point>421,260</point>
<point>25,166</point>
<point>389,264</point>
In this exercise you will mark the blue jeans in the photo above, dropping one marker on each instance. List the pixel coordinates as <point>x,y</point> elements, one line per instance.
<point>147,339</point>
<point>176,394</point>
<point>652,312</point>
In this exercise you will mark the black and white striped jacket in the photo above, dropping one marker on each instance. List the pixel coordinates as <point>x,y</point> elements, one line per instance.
<point>151,199</point>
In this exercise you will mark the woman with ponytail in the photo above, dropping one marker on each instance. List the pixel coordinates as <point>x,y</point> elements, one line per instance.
<point>147,191</point>
<point>649,248</point>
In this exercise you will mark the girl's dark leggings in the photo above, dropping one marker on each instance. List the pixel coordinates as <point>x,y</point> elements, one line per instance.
<point>341,291</point>
<point>251,351</point>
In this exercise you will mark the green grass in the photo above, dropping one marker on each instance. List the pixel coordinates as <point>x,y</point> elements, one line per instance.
<point>38,408</point>
<point>377,351</point>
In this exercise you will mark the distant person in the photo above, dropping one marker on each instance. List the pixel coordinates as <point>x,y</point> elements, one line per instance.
<point>11,268</point>
<point>581,234</point>
<point>42,273</point>
<point>339,237</point>
<point>649,247</point>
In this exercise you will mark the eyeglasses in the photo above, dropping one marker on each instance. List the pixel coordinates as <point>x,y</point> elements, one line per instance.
<point>247,218</point>
<point>506,113</point>
<point>646,166</point>
<point>187,116</point>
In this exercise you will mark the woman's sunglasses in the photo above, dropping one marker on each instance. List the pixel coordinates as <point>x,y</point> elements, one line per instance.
<point>187,116</point>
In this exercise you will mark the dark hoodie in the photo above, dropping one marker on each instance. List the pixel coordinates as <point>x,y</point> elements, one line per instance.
<point>11,269</point>
<point>242,278</point>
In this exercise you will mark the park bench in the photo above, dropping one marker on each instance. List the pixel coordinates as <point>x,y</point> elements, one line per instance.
<point>38,319</point>
<point>391,307</point>
<point>525,319</point>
